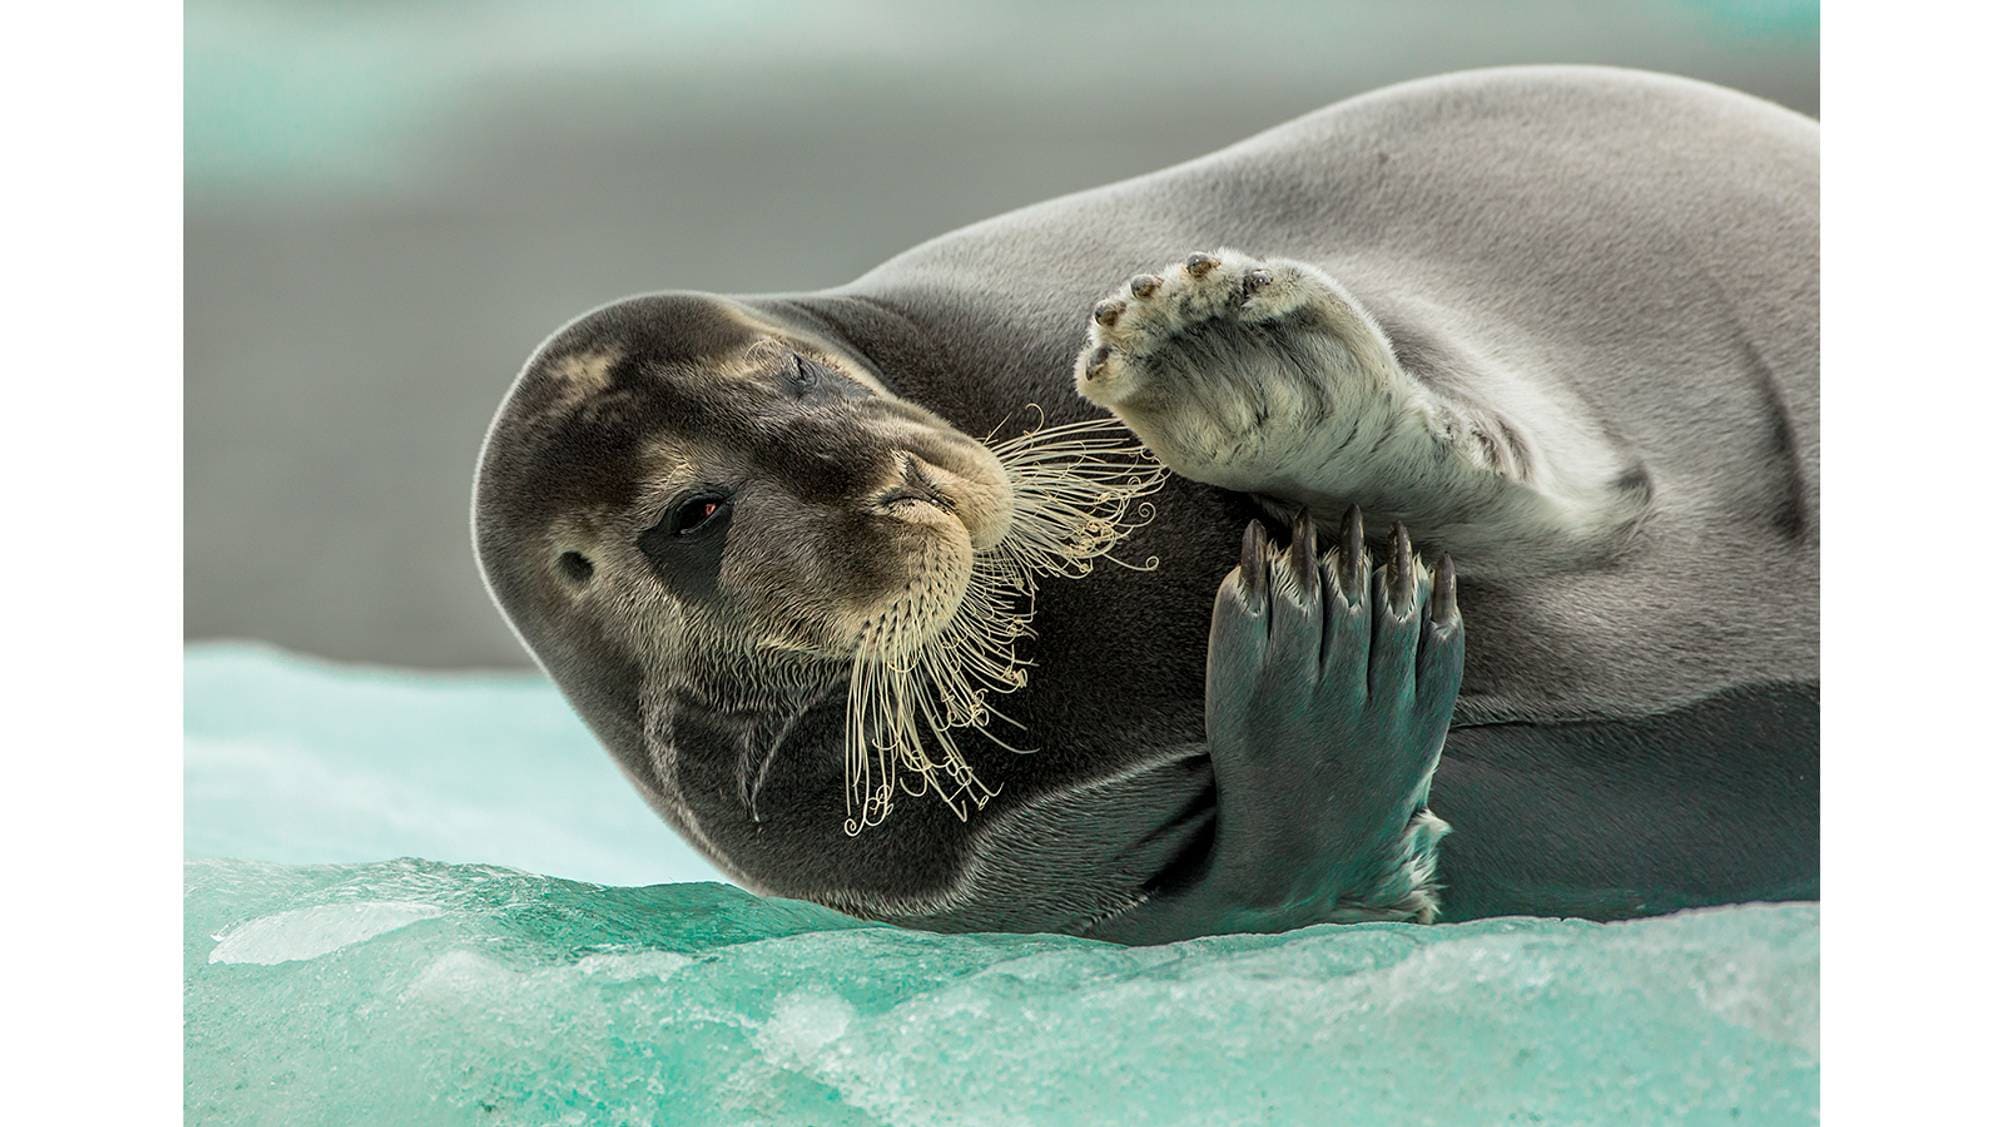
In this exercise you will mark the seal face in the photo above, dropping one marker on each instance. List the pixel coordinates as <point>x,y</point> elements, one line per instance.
<point>746,514</point>
<point>696,482</point>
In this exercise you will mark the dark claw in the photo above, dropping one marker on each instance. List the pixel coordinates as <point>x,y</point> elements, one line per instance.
<point>1444,595</point>
<point>1145,284</point>
<point>1353,556</point>
<point>1199,264</point>
<point>1098,358</point>
<point>1107,311</point>
<point>1402,578</point>
<point>1255,280</point>
<point>1304,553</point>
<point>1255,542</point>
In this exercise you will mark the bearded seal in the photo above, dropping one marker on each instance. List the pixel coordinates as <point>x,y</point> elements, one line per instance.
<point>1553,328</point>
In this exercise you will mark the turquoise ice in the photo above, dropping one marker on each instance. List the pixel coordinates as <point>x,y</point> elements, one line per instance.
<point>385,990</point>
<point>292,759</point>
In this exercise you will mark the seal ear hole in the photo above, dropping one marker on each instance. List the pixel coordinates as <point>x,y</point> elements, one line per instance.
<point>575,567</point>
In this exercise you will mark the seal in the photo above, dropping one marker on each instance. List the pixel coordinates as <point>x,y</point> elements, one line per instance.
<point>1552,330</point>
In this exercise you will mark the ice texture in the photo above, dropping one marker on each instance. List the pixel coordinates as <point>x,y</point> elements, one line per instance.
<point>419,991</point>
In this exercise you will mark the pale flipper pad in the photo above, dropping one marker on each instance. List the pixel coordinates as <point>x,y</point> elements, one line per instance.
<point>1233,369</point>
<point>1267,376</point>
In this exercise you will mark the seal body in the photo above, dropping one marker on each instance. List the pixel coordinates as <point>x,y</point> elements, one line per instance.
<point>1612,276</point>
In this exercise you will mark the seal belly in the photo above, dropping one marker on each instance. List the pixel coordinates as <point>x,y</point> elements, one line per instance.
<point>1714,802</point>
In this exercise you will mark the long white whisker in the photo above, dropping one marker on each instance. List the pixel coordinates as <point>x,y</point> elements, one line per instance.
<point>1078,490</point>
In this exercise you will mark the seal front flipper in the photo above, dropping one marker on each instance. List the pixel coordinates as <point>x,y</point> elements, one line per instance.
<point>1267,376</point>
<point>1330,688</point>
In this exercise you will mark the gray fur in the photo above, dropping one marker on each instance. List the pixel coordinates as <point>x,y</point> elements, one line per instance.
<point>1639,251</point>
<point>1617,269</point>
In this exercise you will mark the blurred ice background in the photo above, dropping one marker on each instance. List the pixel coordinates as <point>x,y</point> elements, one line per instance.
<point>389,205</point>
<point>306,762</point>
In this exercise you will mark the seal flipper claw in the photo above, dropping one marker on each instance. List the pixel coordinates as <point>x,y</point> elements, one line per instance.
<point>1099,357</point>
<point>1440,664</point>
<point>1254,281</point>
<point>1444,595</point>
<point>1441,646</point>
<point>1302,557</point>
<point>1254,562</point>
<point>1354,557</point>
<point>1392,650</point>
<point>1402,577</point>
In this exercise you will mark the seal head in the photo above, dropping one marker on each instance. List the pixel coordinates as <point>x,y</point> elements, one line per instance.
<point>694,480</point>
<point>701,506</point>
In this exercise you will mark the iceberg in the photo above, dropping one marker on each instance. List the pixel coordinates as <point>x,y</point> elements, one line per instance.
<point>329,981</point>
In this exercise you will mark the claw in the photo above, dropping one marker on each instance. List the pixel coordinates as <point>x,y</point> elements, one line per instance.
<point>1255,280</point>
<point>1107,311</point>
<point>1098,359</point>
<point>1255,545</point>
<point>1353,557</point>
<point>1303,555</point>
<point>1444,595</point>
<point>1145,284</point>
<point>1402,577</point>
<point>1199,264</point>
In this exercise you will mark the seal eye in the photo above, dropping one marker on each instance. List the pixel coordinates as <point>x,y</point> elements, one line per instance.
<point>685,546</point>
<point>695,513</point>
<point>805,374</point>
<point>576,567</point>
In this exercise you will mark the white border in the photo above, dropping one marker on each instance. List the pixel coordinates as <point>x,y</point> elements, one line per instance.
<point>91,563</point>
<point>1908,503</point>
<point>91,567</point>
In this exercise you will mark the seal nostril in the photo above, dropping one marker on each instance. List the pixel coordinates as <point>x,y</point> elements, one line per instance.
<point>575,567</point>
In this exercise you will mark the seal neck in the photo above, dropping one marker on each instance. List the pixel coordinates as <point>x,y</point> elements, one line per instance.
<point>744,684</point>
